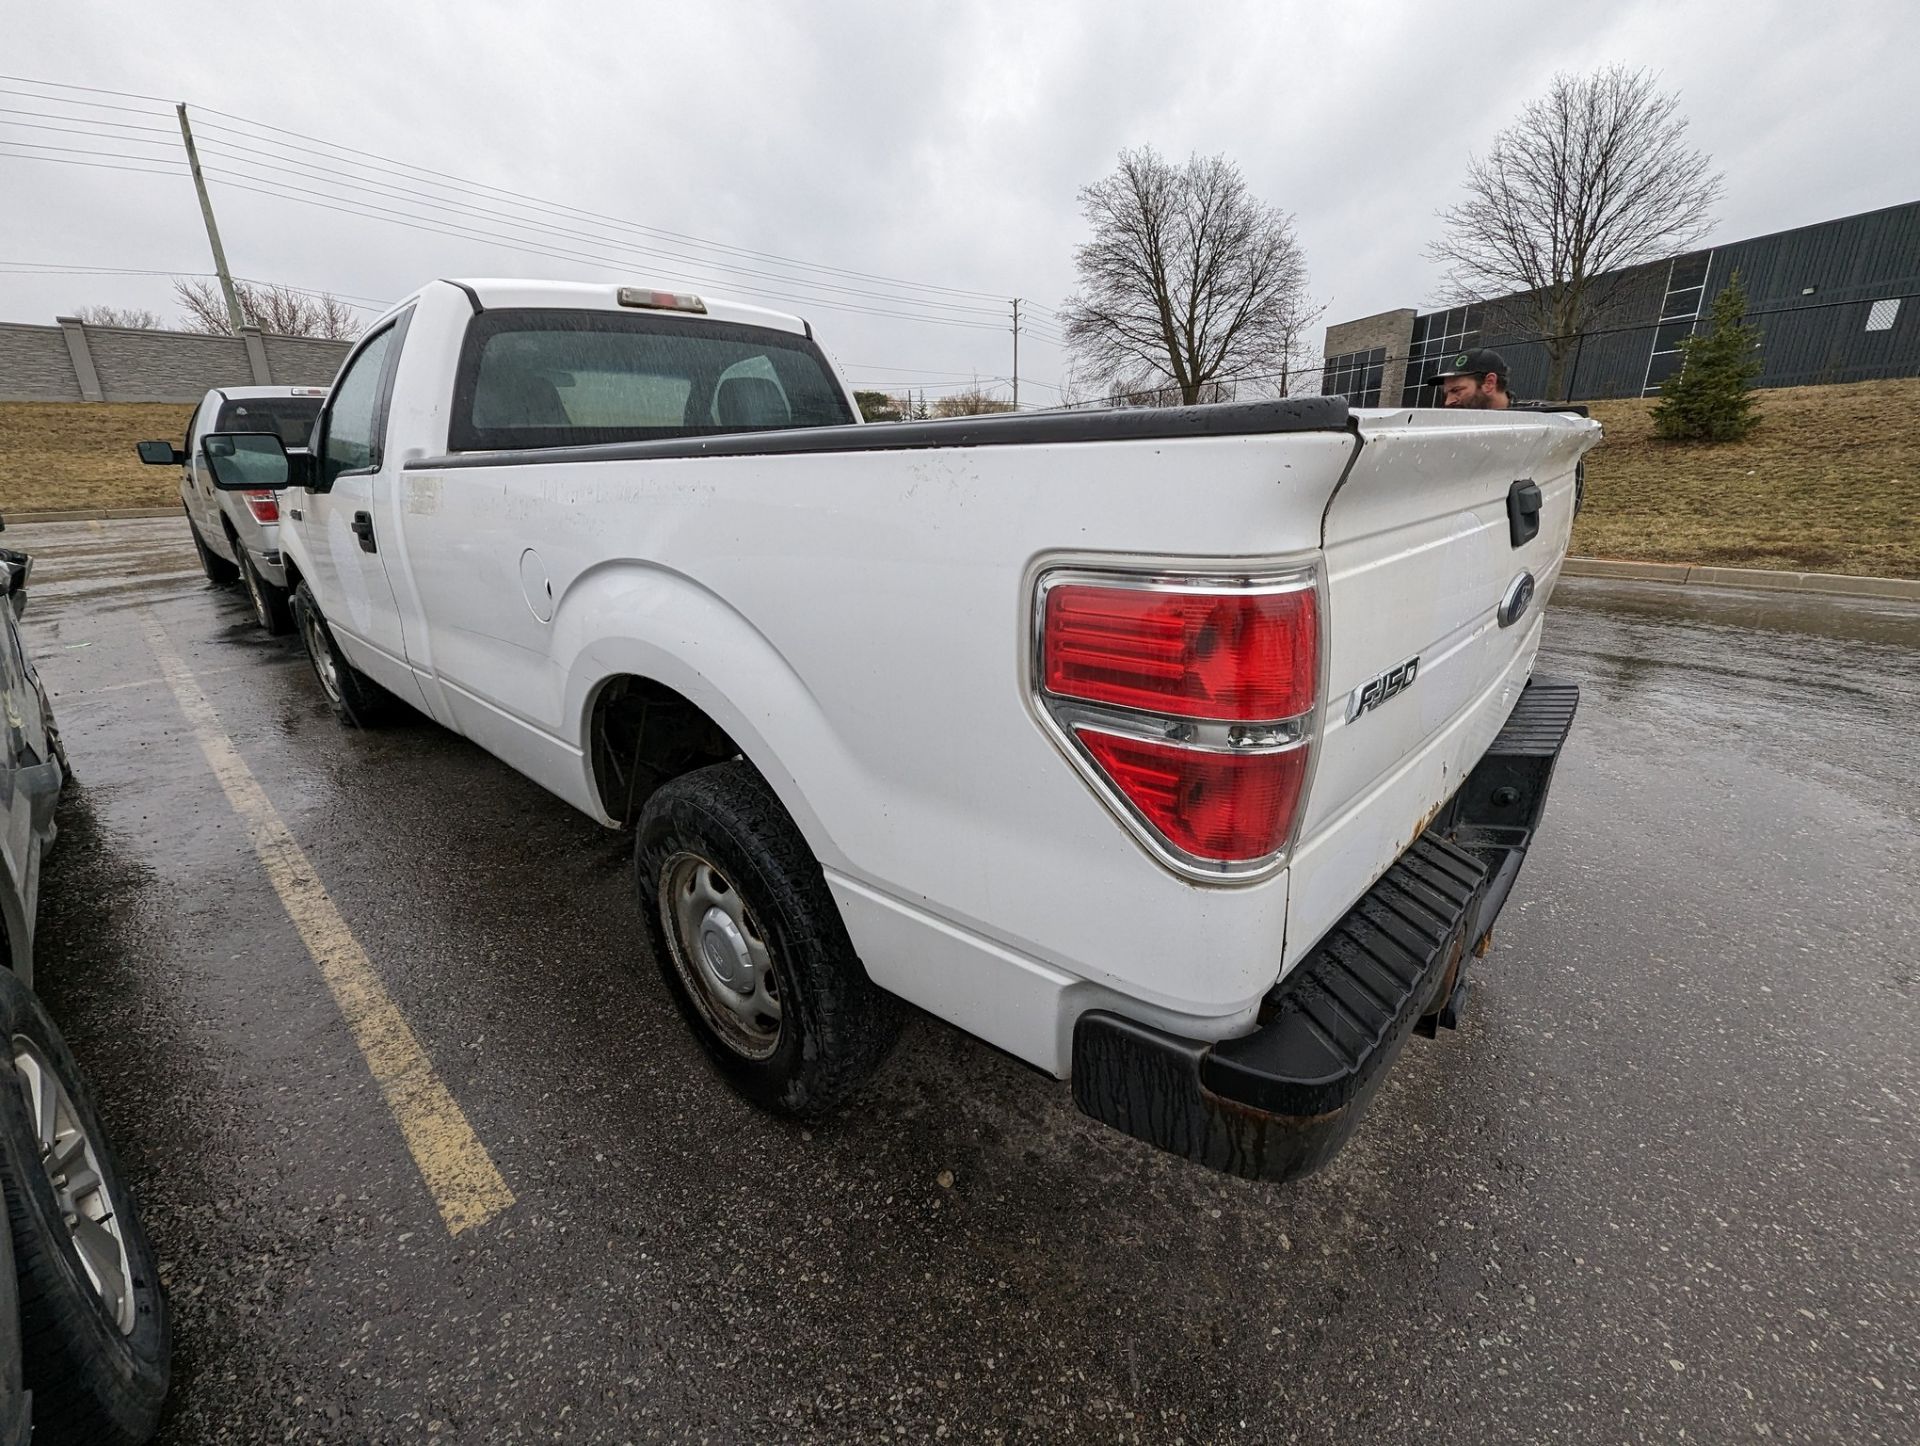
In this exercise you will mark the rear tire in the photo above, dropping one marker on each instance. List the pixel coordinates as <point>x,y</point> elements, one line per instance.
<point>95,1355</point>
<point>356,699</point>
<point>752,946</point>
<point>270,607</point>
<point>219,571</point>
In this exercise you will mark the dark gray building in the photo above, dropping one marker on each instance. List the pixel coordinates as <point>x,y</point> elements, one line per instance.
<point>1835,302</point>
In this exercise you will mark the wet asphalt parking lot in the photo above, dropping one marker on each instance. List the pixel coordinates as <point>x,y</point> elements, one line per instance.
<point>1660,1187</point>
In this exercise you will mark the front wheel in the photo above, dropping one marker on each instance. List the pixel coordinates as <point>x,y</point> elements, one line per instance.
<point>93,1323</point>
<point>752,946</point>
<point>270,607</point>
<point>356,699</point>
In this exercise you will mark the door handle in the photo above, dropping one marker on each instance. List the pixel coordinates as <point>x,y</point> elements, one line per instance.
<point>363,529</point>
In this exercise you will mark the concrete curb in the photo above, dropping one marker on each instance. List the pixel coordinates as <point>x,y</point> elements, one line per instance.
<point>1689,574</point>
<point>107,514</point>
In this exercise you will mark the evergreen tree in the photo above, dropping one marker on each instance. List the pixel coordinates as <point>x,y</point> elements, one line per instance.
<point>1708,399</point>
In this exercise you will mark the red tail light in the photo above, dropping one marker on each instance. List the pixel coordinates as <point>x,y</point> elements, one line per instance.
<point>1188,701</point>
<point>1217,806</point>
<point>264,505</point>
<point>1243,656</point>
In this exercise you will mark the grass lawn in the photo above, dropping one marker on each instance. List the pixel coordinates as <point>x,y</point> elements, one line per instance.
<point>1828,482</point>
<point>55,456</point>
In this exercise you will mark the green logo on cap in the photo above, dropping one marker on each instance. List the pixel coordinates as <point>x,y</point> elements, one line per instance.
<point>1460,362</point>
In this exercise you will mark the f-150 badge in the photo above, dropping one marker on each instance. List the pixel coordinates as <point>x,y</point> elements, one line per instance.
<point>1375,691</point>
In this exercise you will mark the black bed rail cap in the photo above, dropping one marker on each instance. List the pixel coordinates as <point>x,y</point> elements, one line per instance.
<point>1004,429</point>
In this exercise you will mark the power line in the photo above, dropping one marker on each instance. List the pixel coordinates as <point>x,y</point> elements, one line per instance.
<point>98,165</point>
<point>223,150</point>
<point>418,198</point>
<point>248,126</point>
<point>904,371</point>
<point>307,196</point>
<point>602,216</point>
<point>352,205</point>
<point>62,100</point>
<point>90,89</point>
<point>41,268</point>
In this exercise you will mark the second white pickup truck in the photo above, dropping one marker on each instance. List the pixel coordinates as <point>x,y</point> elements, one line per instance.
<point>1185,753</point>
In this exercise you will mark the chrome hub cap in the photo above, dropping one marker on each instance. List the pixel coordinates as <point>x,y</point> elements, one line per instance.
<point>721,956</point>
<point>79,1183</point>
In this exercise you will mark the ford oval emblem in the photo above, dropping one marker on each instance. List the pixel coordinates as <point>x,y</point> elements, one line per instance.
<point>1518,595</point>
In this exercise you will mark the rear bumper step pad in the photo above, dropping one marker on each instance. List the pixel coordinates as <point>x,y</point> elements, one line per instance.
<point>1279,1102</point>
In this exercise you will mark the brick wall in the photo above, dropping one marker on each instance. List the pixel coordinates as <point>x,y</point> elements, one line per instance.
<point>73,363</point>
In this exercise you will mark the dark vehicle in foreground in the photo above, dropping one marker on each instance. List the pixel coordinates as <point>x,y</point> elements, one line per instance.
<point>84,1349</point>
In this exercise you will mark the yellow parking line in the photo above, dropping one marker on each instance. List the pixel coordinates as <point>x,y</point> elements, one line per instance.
<point>460,1174</point>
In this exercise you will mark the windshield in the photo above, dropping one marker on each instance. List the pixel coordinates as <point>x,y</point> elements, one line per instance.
<point>291,417</point>
<point>545,378</point>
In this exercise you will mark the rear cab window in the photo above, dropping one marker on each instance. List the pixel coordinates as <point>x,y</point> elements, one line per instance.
<point>291,417</point>
<point>550,377</point>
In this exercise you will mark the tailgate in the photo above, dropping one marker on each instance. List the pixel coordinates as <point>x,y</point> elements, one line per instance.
<point>1420,673</point>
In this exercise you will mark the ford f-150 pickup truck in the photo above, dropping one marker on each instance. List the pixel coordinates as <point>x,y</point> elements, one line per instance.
<point>236,532</point>
<point>1187,754</point>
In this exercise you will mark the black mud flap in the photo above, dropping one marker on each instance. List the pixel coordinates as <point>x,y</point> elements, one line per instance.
<point>1279,1102</point>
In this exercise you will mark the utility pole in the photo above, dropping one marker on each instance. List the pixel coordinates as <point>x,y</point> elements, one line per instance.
<point>234,318</point>
<point>1016,353</point>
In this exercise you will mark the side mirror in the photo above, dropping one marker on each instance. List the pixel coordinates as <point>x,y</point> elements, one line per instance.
<point>247,461</point>
<point>160,454</point>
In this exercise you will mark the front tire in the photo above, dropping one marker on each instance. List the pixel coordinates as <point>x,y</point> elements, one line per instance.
<point>752,946</point>
<point>270,606</point>
<point>356,699</point>
<point>93,1322</point>
<point>219,571</point>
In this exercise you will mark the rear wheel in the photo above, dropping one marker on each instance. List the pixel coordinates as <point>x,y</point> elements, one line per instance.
<point>356,699</point>
<point>270,607</point>
<point>752,945</point>
<point>93,1323</point>
<point>219,571</point>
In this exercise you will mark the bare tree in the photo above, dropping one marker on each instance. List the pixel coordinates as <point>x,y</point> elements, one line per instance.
<point>974,401</point>
<point>277,309</point>
<point>136,318</point>
<point>1595,177</point>
<point>1189,281</point>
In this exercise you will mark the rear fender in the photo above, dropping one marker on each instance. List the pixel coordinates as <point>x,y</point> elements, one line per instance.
<point>705,649</point>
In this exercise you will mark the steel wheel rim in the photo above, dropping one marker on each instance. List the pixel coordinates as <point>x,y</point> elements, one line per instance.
<point>79,1182</point>
<point>721,955</point>
<point>321,654</point>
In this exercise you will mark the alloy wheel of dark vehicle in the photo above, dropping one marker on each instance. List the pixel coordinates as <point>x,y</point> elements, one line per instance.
<point>356,699</point>
<point>219,571</point>
<point>270,605</point>
<point>752,946</point>
<point>93,1322</point>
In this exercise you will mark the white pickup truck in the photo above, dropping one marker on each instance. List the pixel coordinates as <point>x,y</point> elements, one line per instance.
<point>238,536</point>
<point>1185,753</point>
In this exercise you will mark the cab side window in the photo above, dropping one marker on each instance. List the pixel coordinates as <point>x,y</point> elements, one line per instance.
<point>354,414</point>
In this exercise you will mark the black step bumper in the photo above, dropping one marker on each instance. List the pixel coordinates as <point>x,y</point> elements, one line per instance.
<point>1279,1102</point>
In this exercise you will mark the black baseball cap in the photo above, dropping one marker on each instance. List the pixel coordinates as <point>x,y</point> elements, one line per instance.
<point>1471,364</point>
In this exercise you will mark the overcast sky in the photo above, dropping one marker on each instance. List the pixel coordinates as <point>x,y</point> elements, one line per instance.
<point>934,144</point>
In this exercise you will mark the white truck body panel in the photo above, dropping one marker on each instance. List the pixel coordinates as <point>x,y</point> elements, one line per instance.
<point>860,623</point>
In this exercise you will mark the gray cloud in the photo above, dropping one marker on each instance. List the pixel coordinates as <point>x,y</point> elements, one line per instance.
<point>940,144</point>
